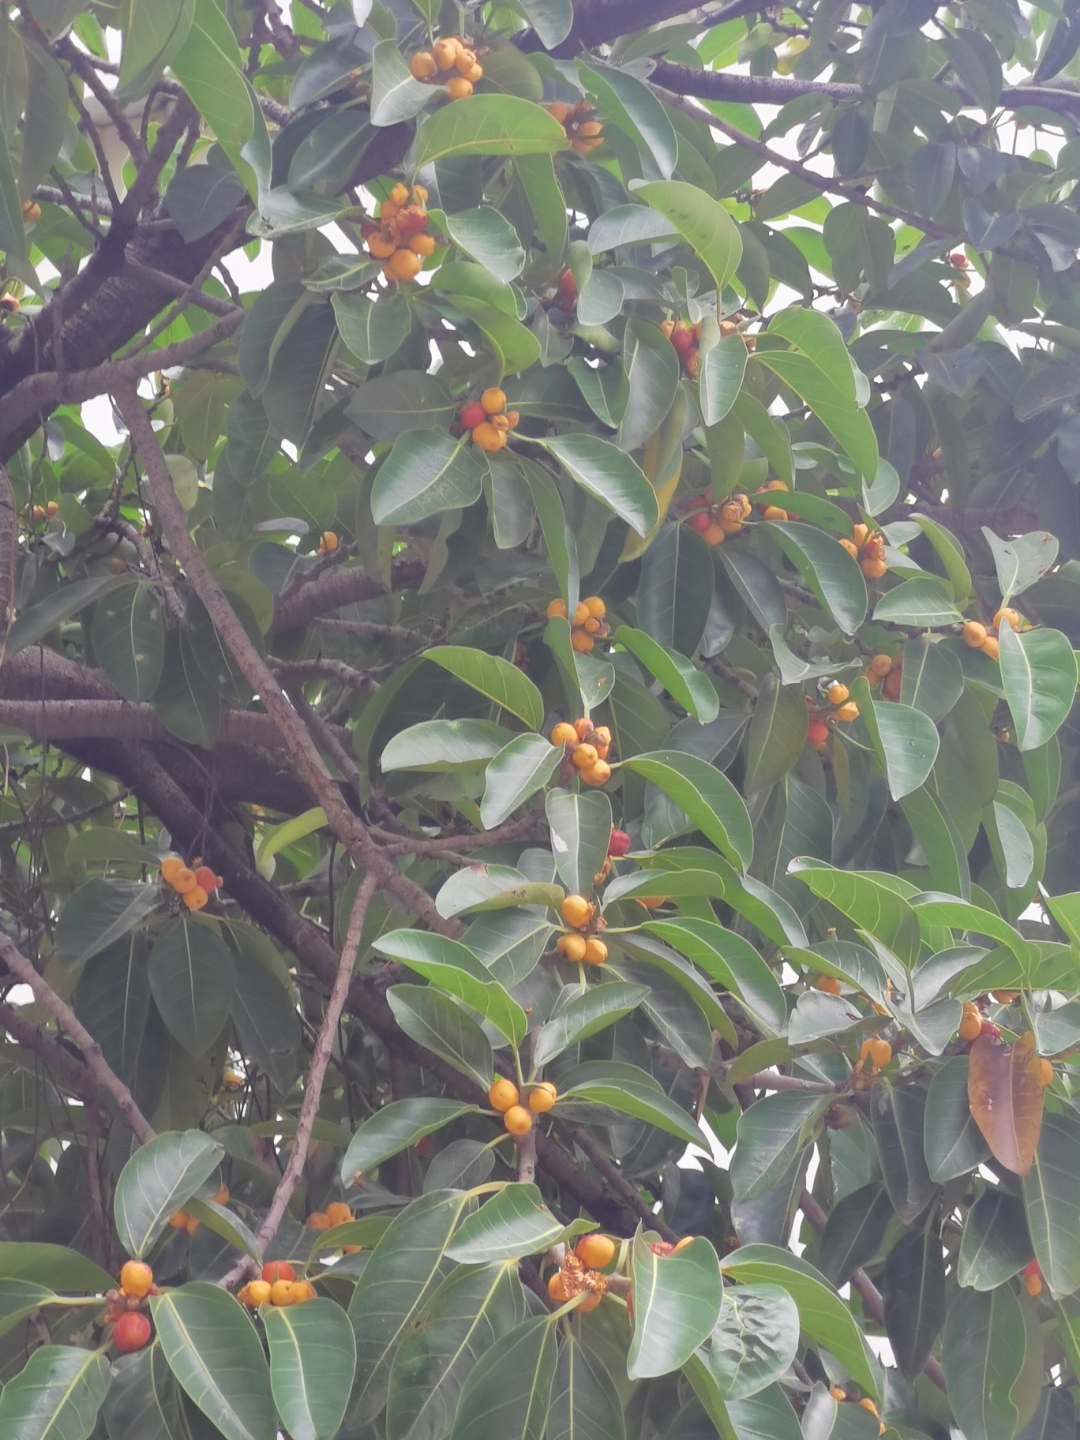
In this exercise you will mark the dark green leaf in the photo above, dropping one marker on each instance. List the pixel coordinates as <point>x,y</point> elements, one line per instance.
<point>982,1354</point>
<point>1038,674</point>
<point>436,1022</point>
<point>507,1394</point>
<point>914,1291</point>
<point>192,979</point>
<point>156,1181</point>
<point>396,1127</point>
<point>312,1360</point>
<point>995,1244</point>
<point>56,1396</point>
<point>514,1223</point>
<point>677,1300</point>
<point>898,1113</point>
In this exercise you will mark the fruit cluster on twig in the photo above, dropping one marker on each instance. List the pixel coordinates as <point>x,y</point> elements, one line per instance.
<point>194,886</point>
<point>277,1285</point>
<point>398,238</point>
<point>450,62</point>
<point>868,548</point>
<point>488,419</point>
<point>583,130</point>
<point>587,748</point>
<point>587,625</point>
<point>505,1097</point>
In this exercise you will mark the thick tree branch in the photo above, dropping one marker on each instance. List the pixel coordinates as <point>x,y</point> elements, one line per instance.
<point>104,1077</point>
<point>87,719</point>
<point>343,585</point>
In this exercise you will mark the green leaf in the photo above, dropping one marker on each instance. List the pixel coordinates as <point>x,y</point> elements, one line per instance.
<point>706,796</point>
<point>853,1232</point>
<point>34,623</point>
<point>1038,675</point>
<point>579,830</point>
<point>426,473</point>
<point>390,405</point>
<point>651,367</point>
<point>768,1416</point>
<point>186,701</point>
<point>112,999</point>
<point>395,94</point>
<point>501,682</point>
<point>771,1132</point>
<point>128,636</point>
<point>98,914</point>
<point>1021,561</point>
<point>703,223</point>
<point>729,960</point>
<point>607,473</point>
<point>898,1113</point>
<point>143,1402</point>
<point>677,1300</point>
<point>507,1394</point>
<point>995,1244</point>
<point>488,125</point>
<point>675,588</point>
<point>20,1298</point>
<point>518,771</point>
<point>540,183</point>
<point>512,1224</point>
<point>289,832</point>
<point>402,1273</point>
<point>627,102</point>
<point>192,980</point>
<point>156,1181</point>
<point>396,1127</point>
<point>585,1013</point>
<point>921,602</point>
<point>372,329</point>
<point>12,229</point>
<point>683,681</point>
<point>1050,1197</point>
<point>52,1266</point>
<point>214,1352</point>
<point>720,377</point>
<point>514,347</point>
<point>950,554</point>
<point>869,900</point>
<point>455,970</point>
<point>490,239</point>
<point>754,1341</point>
<point>463,1319</point>
<point>631,1091</point>
<point>443,745</point>
<point>932,679</point>
<point>905,740</point>
<point>982,1354</point>
<point>952,1142</point>
<point>211,69</point>
<point>56,1396</point>
<point>312,1360</point>
<point>840,416</point>
<point>776,736</point>
<point>818,338</point>
<point>585,1404</point>
<point>914,1290</point>
<point>45,119</point>
<point>154,32</point>
<point>826,1418</point>
<point>822,1314</point>
<point>330,153</point>
<point>828,569</point>
<point>932,909</point>
<point>434,1021</point>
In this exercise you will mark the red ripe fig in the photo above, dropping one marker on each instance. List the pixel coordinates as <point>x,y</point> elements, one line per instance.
<point>567,289</point>
<point>682,337</point>
<point>131,1332</point>
<point>699,522</point>
<point>989,1028</point>
<point>473,414</point>
<point>619,844</point>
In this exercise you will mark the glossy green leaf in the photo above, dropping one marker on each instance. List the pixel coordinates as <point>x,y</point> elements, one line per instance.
<point>34,622</point>
<point>952,1143</point>
<point>396,1127</point>
<point>686,685</point>
<point>995,1243</point>
<point>631,1091</point>
<point>898,1113</point>
<point>913,1285</point>
<point>932,678</point>
<point>754,1341</point>
<point>443,745</point>
<point>585,1404</point>
<point>701,221</point>
<point>651,367</point>
<point>521,768</point>
<point>372,329</point>
<point>426,473</point>
<point>823,1315</point>
<point>215,1354</point>
<point>905,740</point>
<point>830,572</point>
<point>209,66</point>
<point>153,34</point>
<point>720,377</point>
<point>1038,675</point>
<point>677,1300</point>
<point>56,1396</point>
<point>853,1232</point>
<point>1020,561</point>
<point>729,960</point>
<point>607,473</point>
<point>434,1021</point>
<point>468,1313</point>
<point>112,999</point>
<point>771,1133</point>
<point>584,1014</point>
<point>707,798</point>
<point>156,1181</point>
<point>921,602</point>
<point>982,1353</point>
<point>501,682</point>
<point>868,900</point>
<point>488,125</point>
<point>143,1402</point>
<point>1049,1196</point>
<point>312,1360</point>
<point>579,831</point>
<point>54,1267</point>
<point>507,1394</point>
<point>395,95</point>
<point>513,1223</point>
<point>839,414</point>
<point>490,239</point>
<point>192,980</point>
<point>776,736</point>
<point>390,405</point>
<point>628,103</point>
<point>675,589</point>
<point>404,1271</point>
<point>452,968</point>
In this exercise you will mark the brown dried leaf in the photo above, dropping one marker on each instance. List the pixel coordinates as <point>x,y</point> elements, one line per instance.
<point>1006,1098</point>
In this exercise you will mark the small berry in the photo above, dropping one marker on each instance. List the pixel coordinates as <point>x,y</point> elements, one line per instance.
<point>596,775</point>
<point>317,1220</point>
<point>339,1213</point>
<point>459,88</point>
<point>255,1293</point>
<point>196,898</point>
<point>595,1251</point>
<point>184,880</point>
<point>774,512</point>
<point>205,877</point>
<point>178,1219</point>
<point>584,756</point>
<point>970,1027</point>
<point>136,1278</point>
<point>582,642</point>
<point>893,683</point>
<point>873,569</point>
<point>881,665</point>
<point>131,1332</point>
<point>817,732</point>
<point>488,437</point>
<point>518,1120</point>
<point>848,712</point>
<point>837,1393</point>
<point>493,401</point>
<point>576,910</point>
<point>283,1292</point>
<point>1006,613</point>
<point>191,1224</point>
<point>543,1096</point>
<point>572,946</point>
<point>714,534</point>
<point>618,844</point>
<point>171,866</point>
<point>974,634</point>
<point>275,1270</point>
<point>564,734</point>
<point>850,546</point>
<point>503,1094</point>
<point>557,1287</point>
<point>403,265</point>
<point>991,647</point>
<point>1046,1072</point>
<point>221,1195</point>
<point>837,693</point>
<point>474,414</point>
<point>422,65</point>
<point>596,952</point>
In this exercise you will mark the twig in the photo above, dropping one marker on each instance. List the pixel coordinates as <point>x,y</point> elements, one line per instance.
<point>375,630</point>
<point>619,1183</point>
<point>65,1017</point>
<point>296,672</point>
<point>320,1059</point>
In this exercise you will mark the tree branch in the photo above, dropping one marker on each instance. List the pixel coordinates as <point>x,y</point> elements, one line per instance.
<point>343,585</point>
<point>66,1018</point>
